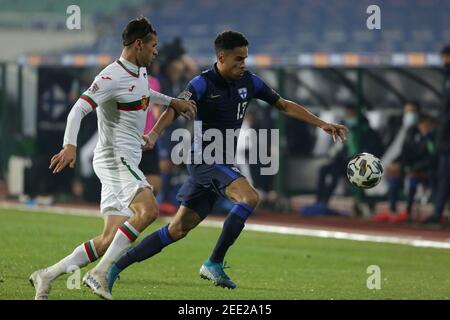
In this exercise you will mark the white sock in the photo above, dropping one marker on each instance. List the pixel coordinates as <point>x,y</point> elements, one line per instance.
<point>80,257</point>
<point>125,235</point>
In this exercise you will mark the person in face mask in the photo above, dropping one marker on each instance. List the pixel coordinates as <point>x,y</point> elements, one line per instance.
<point>410,114</point>
<point>443,146</point>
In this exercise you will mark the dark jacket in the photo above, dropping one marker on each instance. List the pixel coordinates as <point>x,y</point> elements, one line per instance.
<point>443,133</point>
<point>418,151</point>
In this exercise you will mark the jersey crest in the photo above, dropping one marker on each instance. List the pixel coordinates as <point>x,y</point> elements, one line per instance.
<point>144,102</point>
<point>242,93</point>
<point>186,95</point>
<point>94,88</point>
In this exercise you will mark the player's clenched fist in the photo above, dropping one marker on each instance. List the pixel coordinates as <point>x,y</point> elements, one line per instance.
<point>186,108</point>
<point>67,156</point>
<point>150,140</point>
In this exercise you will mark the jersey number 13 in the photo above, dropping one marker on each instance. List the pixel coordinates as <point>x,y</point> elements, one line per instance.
<point>241,110</point>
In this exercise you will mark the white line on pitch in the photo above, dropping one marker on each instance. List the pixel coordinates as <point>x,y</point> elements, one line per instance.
<point>338,235</point>
<point>411,241</point>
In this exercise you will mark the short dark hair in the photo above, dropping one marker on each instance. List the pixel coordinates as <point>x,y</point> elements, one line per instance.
<point>228,40</point>
<point>138,28</point>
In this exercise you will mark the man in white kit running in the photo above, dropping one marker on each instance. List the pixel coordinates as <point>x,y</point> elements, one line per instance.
<point>121,96</point>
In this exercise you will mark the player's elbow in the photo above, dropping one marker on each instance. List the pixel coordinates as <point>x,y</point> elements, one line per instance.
<point>282,105</point>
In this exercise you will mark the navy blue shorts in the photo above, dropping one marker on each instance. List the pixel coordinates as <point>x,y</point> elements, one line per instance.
<point>205,185</point>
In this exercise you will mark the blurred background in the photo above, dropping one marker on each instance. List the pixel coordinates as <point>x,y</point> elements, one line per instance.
<point>386,85</point>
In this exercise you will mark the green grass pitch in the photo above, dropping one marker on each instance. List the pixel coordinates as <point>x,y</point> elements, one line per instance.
<point>264,266</point>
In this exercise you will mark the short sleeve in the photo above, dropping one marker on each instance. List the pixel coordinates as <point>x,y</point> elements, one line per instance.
<point>195,89</point>
<point>263,91</point>
<point>101,90</point>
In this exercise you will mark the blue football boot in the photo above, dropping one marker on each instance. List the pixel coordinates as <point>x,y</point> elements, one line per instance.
<point>112,275</point>
<point>213,271</point>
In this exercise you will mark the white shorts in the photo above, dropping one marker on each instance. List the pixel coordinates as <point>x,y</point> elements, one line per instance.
<point>121,179</point>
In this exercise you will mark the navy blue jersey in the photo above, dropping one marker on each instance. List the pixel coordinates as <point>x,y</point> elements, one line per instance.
<point>222,104</point>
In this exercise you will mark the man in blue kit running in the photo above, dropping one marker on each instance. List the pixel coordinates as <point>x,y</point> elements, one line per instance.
<point>222,94</point>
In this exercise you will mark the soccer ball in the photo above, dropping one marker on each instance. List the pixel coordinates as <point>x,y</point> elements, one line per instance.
<point>364,170</point>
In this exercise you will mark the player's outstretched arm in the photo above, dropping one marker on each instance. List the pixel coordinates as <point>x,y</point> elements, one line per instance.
<point>164,121</point>
<point>67,156</point>
<point>299,112</point>
<point>186,108</point>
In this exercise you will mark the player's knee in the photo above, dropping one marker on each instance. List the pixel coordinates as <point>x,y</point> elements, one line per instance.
<point>178,231</point>
<point>150,214</point>
<point>145,215</point>
<point>251,198</point>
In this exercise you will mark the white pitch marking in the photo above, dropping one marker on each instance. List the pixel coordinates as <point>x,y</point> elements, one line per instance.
<point>329,234</point>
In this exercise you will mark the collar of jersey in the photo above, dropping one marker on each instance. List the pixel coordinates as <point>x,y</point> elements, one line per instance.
<point>129,67</point>
<point>219,76</point>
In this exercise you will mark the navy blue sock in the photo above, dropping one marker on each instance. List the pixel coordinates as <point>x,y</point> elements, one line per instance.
<point>149,246</point>
<point>232,227</point>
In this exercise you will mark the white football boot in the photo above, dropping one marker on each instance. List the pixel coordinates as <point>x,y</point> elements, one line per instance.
<point>41,283</point>
<point>98,283</point>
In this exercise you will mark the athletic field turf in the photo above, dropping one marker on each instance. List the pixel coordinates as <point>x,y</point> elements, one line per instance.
<point>264,266</point>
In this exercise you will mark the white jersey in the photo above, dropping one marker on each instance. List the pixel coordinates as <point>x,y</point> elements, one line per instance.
<point>121,96</point>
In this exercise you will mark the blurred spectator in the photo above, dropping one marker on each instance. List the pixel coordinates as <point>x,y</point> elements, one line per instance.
<point>361,138</point>
<point>176,67</point>
<point>411,111</point>
<point>443,146</point>
<point>414,165</point>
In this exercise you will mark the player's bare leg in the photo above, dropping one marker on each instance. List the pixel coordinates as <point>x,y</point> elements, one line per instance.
<point>245,198</point>
<point>185,220</point>
<point>84,254</point>
<point>145,209</point>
